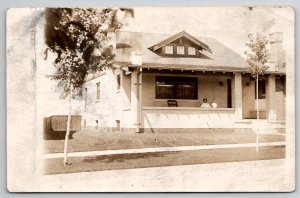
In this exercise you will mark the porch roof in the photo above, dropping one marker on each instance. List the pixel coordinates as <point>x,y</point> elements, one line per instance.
<point>193,68</point>
<point>184,67</point>
<point>221,57</point>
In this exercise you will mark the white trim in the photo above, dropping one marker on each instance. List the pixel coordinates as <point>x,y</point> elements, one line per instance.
<point>188,108</point>
<point>179,100</point>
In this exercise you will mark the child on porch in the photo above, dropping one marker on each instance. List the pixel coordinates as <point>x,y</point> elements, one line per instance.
<point>214,104</point>
<point>205,104</point>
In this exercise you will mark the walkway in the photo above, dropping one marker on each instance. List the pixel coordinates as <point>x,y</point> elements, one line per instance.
<point>161,149</point>
<point>258,176</point>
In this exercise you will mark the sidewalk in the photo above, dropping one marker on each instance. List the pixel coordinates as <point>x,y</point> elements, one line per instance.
<point>160,149</point>
<point>159,157</point>
<point>90,152</point>
<point>266,175</point>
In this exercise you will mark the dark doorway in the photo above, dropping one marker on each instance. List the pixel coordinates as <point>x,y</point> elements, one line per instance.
<point>229,97</point>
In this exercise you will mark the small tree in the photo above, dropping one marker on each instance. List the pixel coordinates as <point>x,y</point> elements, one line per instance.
<point>257,55</point>
<point>80,39</point>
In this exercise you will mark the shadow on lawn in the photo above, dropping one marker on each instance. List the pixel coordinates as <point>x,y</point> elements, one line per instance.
<point>121,157</point>
<point>57,135</point>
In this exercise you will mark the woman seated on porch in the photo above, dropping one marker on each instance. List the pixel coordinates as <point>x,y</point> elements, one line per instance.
<point>205,104</point>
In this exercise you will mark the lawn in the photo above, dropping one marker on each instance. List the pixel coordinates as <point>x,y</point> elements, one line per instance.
<point>158,159</point>
<point>90,140</point>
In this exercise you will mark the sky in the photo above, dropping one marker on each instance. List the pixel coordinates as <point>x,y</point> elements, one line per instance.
<point>229,25</point>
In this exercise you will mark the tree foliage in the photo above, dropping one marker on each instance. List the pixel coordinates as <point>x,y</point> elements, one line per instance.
<point>257,54</point>
<point>80,38</point>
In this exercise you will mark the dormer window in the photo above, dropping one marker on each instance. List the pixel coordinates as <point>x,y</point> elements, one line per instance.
<point>191,51</point>
<point>180,50</point>
<point>169,49</point>
<point>181,45</point>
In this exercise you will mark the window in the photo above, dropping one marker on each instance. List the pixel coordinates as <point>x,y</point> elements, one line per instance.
<point>176,88</point>
<point>191,51</point>
<point>180,49</point>
<point>280,84</point>
<point>261,89</point>
<point>169,49</point>
<point>118,81</point>
<point>98,91</point>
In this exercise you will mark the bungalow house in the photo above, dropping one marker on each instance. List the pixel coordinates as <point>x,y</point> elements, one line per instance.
<point>159,82</point>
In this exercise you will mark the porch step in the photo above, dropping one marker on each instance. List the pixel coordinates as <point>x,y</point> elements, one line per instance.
<point>264,126</point>
<point>253,114</point>
<point>243,124</point>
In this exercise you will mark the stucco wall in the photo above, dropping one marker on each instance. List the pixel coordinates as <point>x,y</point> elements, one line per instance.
<point>107,109</point>
<point>187,117</point>
<point>208,87</point>
<point>280,99</point>
<point>280,105</point>
<point>116,104</point>
<point>249,102</point>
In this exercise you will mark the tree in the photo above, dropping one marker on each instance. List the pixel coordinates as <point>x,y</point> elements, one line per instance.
<point>257,57</point>
<point>81,40</point>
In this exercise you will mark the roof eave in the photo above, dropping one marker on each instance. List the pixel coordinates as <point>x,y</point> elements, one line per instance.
<point>203,68</point>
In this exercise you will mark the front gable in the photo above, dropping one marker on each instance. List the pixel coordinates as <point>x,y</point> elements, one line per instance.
<point>181,45</point>
<point>130,45</point>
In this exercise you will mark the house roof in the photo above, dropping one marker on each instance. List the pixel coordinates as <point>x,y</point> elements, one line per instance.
<point>221,57</point>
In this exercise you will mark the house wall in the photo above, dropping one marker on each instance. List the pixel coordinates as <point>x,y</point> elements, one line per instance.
<point>156,119</point>
<point>208,87</point>
<point>280,95</point>
<point>126,117</point>
<point>280,105</point>
<point>276,96</point>
<point>248,88</point>
<point>276,100</point>
<point>249,101</point>
<point>106,109</point>
<point>155,115</point>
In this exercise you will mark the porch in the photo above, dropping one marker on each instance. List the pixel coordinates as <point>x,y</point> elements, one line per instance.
<point>147,92</point>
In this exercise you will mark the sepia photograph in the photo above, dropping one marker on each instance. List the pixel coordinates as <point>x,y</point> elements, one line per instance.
<point>151,99</point>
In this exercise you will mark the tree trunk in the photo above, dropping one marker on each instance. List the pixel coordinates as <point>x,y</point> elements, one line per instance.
<point>257,108</point>
<point>68,128</point>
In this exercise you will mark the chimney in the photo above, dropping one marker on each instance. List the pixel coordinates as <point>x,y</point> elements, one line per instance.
<point>276,50</point>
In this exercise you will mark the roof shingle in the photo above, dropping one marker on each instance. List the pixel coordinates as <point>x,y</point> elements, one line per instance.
<point>221,56</point>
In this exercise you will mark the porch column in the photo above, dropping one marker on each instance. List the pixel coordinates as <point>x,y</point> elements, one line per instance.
<point>135,100</point>
<point>140,100</point>
<point>238,99</point>
<point>271,98</point>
